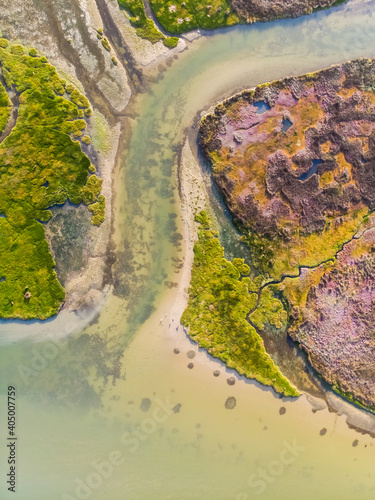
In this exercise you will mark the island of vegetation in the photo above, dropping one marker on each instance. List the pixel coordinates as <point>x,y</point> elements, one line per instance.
<point>295,163</point>
<point>221,301</point>
<point>181,16</point>
<point>42,119</point>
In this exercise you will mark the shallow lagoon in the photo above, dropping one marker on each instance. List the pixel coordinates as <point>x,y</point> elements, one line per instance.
<point>69,422</point>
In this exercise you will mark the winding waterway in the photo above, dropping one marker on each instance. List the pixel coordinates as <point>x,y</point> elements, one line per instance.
<point>157,429</point>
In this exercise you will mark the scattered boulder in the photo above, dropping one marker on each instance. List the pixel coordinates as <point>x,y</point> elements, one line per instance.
<point>230,403</point>
<point>176,408</point>
<point>145,404</point>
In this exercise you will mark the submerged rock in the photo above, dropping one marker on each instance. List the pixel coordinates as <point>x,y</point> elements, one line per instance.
<point>145,404</point>
<point>230,403</point>
<point>177,407</point>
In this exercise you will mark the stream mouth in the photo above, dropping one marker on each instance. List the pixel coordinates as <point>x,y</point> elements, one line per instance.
<point>80,391</point>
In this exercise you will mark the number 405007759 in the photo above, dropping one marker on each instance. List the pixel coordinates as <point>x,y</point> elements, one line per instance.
<point>11,409</point>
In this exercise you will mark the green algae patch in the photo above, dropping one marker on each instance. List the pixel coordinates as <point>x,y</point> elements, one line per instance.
<point>216,315</point>
<point>41,165</point>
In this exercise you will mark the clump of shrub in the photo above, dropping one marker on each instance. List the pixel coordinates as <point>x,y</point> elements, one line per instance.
<point>86,139</point>
<point>17,50</point>
<point>79,99</point>
<point>91,190</point>
<point>69,88</point>
<point>105,44</point>
<point>98,210</point>
<point>171,42</point>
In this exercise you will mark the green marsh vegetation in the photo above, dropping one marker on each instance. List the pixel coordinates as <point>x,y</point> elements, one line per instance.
<point>41,165</point>
<point>145,27</point>
<point>221,297</point>
<point>5,107</point>
<point>181,16</point>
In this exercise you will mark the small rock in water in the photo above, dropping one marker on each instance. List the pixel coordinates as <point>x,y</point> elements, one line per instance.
<point>177,407</point>
<point>230,403</point>
<point>176,350</point>
<point>323,431</point>
<point>145,405</point>
<point>355,443</point>
<point>190,366</point>
<point>231,381</point>
<point>190,354</point>
<point>216,373</point>
<point>282,410</point>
